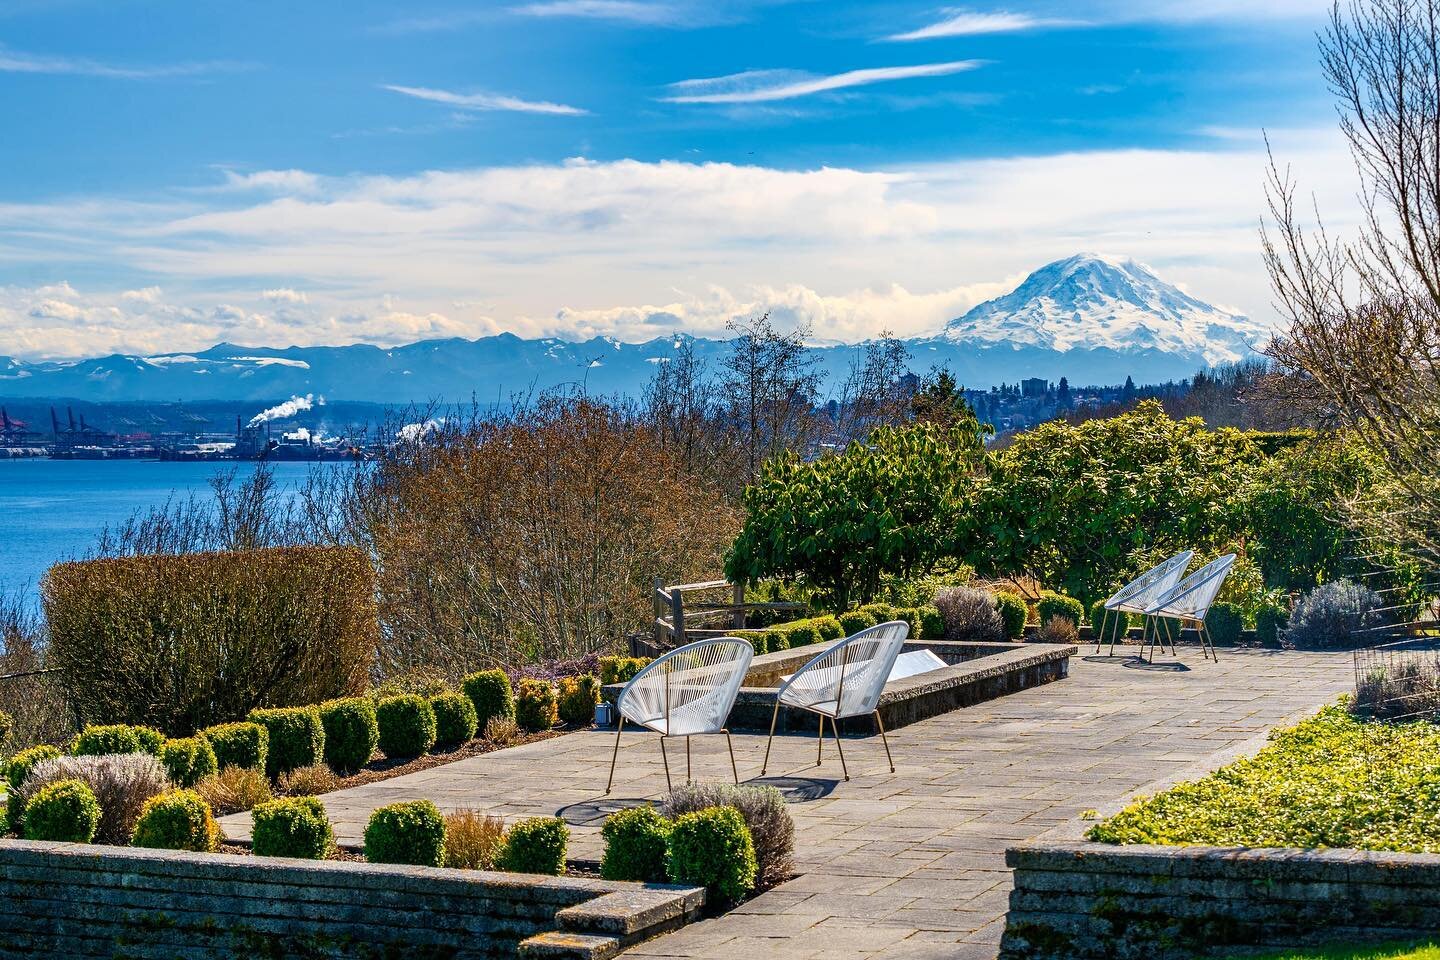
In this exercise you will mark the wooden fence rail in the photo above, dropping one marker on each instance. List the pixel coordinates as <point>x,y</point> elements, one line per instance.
<point>679,621</point>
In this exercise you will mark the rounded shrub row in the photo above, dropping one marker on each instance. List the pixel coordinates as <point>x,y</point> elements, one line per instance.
<point>710,848</point>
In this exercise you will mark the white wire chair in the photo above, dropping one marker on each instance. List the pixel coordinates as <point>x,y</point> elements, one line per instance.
<point>687,692</point>
<point>1190,599</point>
<point>1140,593</point>
<point>844,681</point>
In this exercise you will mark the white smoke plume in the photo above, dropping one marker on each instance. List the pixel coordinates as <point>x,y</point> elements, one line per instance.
<point>287,409</point>
<point>414,432</point>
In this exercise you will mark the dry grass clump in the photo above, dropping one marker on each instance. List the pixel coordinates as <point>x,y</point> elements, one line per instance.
<point>1058,630</point>
<point>473,840</point>
<point>309,781</point>
<point>502,730</point>
<point>234,789</point>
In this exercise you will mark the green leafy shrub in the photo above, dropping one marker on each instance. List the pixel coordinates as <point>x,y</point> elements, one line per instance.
<point>1052,605</point>
<point>712,849</point>
<point>412,832</point>
<point>932,624</point>
<point>281,625</point>
<point>407,725</point>
<point>188,760</point>
<point>296,736</point>
<point>16,770</point>
<point>920,591</point>
<point>535,704</point>
<point>536,845</point>
<point>636,841</point>
<point>1013,613</point>
<point>1332,781</point>
<point>489,692</point>
<point>455,720</point>
<point>65,810</point>
<point>766,816</point>
<point>911,616</point>
<point>620,669</point>
<point>239,744</point>
<point>1223,624</point>
<point>853,621</point>
<point>804,634</point>
<point>96,741</point>
<point>292,827</point>
<point>970,615</point>
<point>1333,615</point>
<point>774,641</point>
<point>882,612</point>
<point>177,820</point>
<point>351,732</point>
<point>578,697</point>
<point>1108,623</point>
<point>1270,621</point>
<point>827,628</point>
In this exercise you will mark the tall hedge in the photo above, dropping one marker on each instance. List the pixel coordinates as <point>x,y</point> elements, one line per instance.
<point>181,642</point>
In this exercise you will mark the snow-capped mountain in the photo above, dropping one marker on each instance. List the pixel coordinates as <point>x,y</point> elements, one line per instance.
<point>1089,302</point>
<point>1093,319</point>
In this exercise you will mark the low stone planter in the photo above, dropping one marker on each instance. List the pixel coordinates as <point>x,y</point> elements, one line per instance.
<point>84,901</point>
<point>974,673</point>
<point>1088,901</point>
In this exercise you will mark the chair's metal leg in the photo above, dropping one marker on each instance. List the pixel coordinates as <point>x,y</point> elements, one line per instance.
<point>765,764</point>
<point>615,756</point>
<point>820,741</point>
<point>688,778</point>
<point>1207,641</point>
<point>836,728</point>
<point>885,740</point>
<point>666,760</point>
<point>1100,631</point>
<point>1114,633</point>
<point>731,744</point>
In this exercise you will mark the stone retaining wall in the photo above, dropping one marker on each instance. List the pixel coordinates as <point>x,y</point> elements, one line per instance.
<point>1080,901</point>
<point>87,901</point>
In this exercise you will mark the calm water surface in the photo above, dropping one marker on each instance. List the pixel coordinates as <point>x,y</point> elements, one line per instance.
<point>52,510</point>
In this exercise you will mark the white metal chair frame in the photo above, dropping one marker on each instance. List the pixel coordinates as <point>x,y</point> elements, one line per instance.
<point>1140,593</point>
<point>810,687</point>
<point>687,692</point>
<point>1190,600</point>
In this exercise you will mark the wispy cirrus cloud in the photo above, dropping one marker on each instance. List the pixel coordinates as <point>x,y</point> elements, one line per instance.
<point>762,86</point>
<point>632,11</point>
<point>16,61</point>
<point>959,22</point>
<point>485,101</point>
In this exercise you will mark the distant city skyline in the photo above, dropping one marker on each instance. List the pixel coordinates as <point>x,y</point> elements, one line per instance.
<point>275,174</point>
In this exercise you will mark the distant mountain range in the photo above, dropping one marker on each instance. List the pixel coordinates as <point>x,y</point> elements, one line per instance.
<point>1093,319</point>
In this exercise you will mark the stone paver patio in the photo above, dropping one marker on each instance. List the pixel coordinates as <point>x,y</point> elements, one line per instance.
<point>910,864</point>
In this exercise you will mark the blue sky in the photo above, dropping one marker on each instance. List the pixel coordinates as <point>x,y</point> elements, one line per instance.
<point>178,173</point>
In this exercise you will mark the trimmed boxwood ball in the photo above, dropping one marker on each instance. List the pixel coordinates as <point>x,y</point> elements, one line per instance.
<point>16,770</point>
<point>297,737</point>
<point>932,624</point>
<point>826,627</point>
<point>712,849</point>
<point>853,621</point>
<point>775,641</point>
<point>455,719</point>
<point>1224,623</point>
<point>1116,623</point>
<point>805,634</point>
<point>578,697</point>
<point>536,845</point>
<point>489,691</point>
<point>292,827</point>
<point>411,832</point>
<point>882,612</point>
<point>1270,620</point>
<point>65,810</point>
<point>535,704</point>
<point>177,820</point>
<point>1013,611</point>
<point>351,732</point>
<point>635,844</point>
<point>1052,605</point>
<point>97,741</point>
<point>188,760</point>
<point>618,669</point>
<point>239,744</point>
<point>407,725</point>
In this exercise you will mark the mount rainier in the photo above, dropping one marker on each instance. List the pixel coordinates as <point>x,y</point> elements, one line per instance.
<point>1091,318</point>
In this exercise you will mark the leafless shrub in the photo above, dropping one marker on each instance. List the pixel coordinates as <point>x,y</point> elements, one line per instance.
<point>121,782</point>
<point>472,840</point>
<point>764,811</point>
<point>234,789</point>
<point>970,615</point>
<point>32,699</point>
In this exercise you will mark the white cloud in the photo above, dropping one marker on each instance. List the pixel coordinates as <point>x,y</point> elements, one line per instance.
<point>627,10</point>
<point>282,181</point>
<point>761,86</point>
<point>633,249</point>
<point>966,23</point>
<point>484,101</point>
<point>15,61</point>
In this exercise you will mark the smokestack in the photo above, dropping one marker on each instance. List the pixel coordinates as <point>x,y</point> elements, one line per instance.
<point>82,422</point>
<point>4,420</point>
<point>69,412</point>
<point>54,422</point>
<point>238,428</point>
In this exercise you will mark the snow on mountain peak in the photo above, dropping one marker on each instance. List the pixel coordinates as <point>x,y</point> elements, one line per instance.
<point>1091,301</point>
